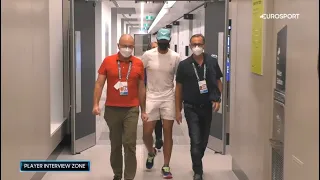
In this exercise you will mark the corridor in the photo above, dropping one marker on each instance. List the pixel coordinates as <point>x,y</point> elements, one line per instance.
<point>267,127</point>
<point>216,166</point>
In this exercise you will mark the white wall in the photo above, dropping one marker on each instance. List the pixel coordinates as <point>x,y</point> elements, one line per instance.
<point>103,21</point>
<point>125,27</point>
<point>98,35</point>
<point>174,37</point>
<point>153,38</point>
<point>56,64</point>
<point>302,93</point>
<point>25,85</point>
<point>134,31</point>
<point>103,26</point>
<point>198,21</point>
<point>251,95</point>
<point>180,35</point>
<point>183,36</point>
<point>119,26</point>
<point>251,101</point>
<point>106,19</point>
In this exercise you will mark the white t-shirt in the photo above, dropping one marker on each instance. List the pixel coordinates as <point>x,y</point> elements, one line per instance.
<point>161,70</point>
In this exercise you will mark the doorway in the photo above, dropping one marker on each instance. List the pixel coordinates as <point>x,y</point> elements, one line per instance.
<point>218,45</point>
<point>82,75</point>
<point>141,43</point>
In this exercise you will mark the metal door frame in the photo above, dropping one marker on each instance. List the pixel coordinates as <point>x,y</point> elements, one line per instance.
<point>213,140</point>
<point>72,77</point>
<point>224,80</point>
<point>81,144</point>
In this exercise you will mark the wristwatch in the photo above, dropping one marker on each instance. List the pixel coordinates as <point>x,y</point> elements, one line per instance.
<point>219,100</point>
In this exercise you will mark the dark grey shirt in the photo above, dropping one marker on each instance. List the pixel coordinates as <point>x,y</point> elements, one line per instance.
<point>190,88</point>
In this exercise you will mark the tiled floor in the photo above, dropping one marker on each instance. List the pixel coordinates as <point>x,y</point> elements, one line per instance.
<point>216,167</point>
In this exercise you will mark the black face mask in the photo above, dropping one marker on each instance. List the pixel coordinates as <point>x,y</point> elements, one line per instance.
<point>163,46</point>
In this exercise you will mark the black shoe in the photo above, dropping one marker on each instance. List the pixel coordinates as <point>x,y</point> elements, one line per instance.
<point>159,143</point>
<point>116,178</point>
<point>197,177</point>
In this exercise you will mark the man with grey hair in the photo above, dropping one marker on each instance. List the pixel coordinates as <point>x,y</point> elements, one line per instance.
<point>199,88</point>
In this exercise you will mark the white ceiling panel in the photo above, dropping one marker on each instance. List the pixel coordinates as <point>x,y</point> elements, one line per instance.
<point>179,8</point>
<point>150,9</point>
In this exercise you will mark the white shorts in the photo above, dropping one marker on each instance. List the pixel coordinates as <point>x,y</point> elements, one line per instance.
<point>164,109</point>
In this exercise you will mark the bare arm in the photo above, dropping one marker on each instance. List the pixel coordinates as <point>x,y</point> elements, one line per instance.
<point>142,95</point>
<point>98,89</point>
<point>178,97</point>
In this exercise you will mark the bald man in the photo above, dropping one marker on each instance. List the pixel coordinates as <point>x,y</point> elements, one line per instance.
<point>125,93</point>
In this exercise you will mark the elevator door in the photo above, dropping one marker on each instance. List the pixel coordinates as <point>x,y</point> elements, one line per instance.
<point>82,69</point>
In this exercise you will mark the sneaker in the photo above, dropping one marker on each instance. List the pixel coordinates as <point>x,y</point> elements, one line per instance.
<point>150,159</point>
<point>197,177</point>
<point>159,144</point>
<point>166,173</point>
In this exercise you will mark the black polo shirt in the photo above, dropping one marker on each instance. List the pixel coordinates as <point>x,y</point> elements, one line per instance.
<point>190,88</point>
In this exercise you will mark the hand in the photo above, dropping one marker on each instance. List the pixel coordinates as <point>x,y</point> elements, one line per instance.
<point>215,106</point>
<point>144,117</point>
<point>96,110</point>
<point>179,117</point>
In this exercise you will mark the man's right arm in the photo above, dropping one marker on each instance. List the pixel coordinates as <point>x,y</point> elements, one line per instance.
<point>144,60</point>
<point>98,89</point>
<point>178,97</point>
<point>178,92</point>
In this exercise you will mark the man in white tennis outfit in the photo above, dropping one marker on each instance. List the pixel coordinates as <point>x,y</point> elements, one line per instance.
<point>161,64</point>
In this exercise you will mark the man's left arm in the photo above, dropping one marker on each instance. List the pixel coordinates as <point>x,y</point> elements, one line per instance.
<point>219,83</point>
<point>219,75</point>
<point>177,62</point>
<point>216,102</point>
<point>216,91</point>
<point>142,90</point>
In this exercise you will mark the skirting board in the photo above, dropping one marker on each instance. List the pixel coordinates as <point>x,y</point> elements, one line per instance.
<point>54,155</point>
<point>238,171</point>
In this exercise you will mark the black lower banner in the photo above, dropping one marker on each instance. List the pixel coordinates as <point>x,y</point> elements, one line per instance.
<point>54,166</point>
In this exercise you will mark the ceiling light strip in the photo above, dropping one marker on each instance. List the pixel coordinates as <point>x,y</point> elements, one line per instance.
<point>164,10</point>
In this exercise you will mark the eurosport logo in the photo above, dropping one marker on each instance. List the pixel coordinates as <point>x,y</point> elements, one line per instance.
<point>280,16</point>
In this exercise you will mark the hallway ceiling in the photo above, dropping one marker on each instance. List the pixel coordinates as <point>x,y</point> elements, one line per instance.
<point>150,9</point>
<point>177,11</point>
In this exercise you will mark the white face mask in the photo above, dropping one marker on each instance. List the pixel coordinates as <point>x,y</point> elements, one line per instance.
<point>126,52</point>
<point>197,50</point>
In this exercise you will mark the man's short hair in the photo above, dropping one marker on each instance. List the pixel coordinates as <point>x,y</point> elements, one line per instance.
<point>198,35</point>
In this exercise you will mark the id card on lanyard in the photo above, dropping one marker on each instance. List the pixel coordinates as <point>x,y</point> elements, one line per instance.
<point>123,86</point>
<point>202,84</point>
